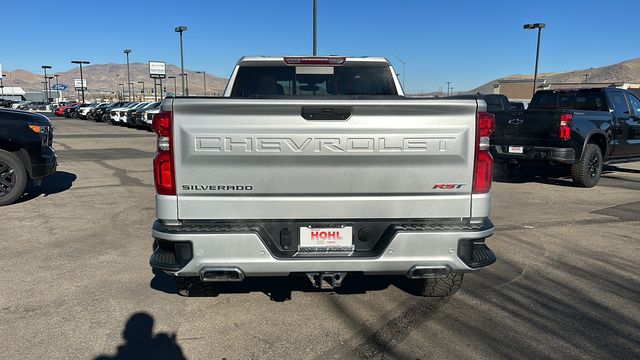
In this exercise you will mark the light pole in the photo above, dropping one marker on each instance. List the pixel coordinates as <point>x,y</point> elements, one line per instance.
<point>127,52</point>
<point>185,79</point>
<point>143,94</point>
<point>538,26</point>
<point>404,69</point>
<point>2,85</point>
<point>452,90</point>
<point>315,27</point>
<point>132,90</point>
<point>122,93</point>
<point>204,78</point>
<point>175,86</point>
<point>586,76</point>
<point>448,85</point>
<point>49,86</point>
<point>46,90</point>
<point>80,62</point>
<point>44,83</point>
<point>185,88</point>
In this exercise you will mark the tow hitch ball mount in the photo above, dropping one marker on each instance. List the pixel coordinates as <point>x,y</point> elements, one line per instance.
<point>326,280</point>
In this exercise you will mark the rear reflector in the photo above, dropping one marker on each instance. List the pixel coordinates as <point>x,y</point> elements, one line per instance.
<point>565,127</point>
<point>483,166</point>
<point>314,60</point>
<point>163,165</point>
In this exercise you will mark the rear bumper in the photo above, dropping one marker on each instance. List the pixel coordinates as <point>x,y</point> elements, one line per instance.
<point>536,153</point>
<point>438,247</point>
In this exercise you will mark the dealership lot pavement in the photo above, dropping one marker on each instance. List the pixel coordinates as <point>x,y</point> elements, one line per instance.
<point>76,281</point>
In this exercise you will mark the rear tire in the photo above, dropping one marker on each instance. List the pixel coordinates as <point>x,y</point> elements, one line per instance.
<point>436,287</point>
<point>586,172</point>
<point>13,178</point>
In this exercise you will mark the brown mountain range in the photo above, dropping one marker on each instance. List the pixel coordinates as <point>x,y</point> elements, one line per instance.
<point>106,77</point>
<point>626,71</point>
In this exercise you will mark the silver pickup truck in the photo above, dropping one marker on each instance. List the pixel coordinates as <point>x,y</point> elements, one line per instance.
<point>320,166</point>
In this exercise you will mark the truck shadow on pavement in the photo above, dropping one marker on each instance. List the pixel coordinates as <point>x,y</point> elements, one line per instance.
<point>59,182</point>
<point>279,289</point>
<point>552,175</point>
<point>557,175</point>
<point>139,342</point>
<point>613,168</point>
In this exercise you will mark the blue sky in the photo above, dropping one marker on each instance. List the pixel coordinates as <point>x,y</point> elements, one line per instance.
<point>465,42</point>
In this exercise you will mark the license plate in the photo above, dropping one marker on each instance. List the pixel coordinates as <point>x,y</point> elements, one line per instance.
<point>516,149</point>
<point>333,238</point>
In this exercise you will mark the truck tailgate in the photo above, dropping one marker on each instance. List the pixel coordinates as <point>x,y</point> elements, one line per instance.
<point>534,126</point>
<point>261,159</point>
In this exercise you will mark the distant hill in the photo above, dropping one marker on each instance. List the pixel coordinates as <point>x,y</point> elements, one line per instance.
<point>106,77</point>
<point>626,71</point>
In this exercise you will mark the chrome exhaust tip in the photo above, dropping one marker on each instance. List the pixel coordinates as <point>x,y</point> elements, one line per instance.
<point>428,272</point>
<point>221,274</point>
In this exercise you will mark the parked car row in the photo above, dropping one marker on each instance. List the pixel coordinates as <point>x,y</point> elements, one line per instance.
<point>132,114</point>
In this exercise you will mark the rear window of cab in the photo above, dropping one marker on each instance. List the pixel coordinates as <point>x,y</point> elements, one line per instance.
<point>578,100</point>
<point>284,80</point>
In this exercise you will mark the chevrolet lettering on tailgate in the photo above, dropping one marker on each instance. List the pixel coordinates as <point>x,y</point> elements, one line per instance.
<point>252,144</point>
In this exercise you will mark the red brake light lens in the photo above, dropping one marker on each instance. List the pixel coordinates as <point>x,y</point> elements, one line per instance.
<point>314,60</point>
<point>483,165</point>
<point>162,123</point>
<point>565,128</point>
<point>486,124</point>
<point>163,164</point>
<point>483,173</point>
<point>163,173</point>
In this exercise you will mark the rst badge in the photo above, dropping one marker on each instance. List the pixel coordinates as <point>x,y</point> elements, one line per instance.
<point>447,186</point>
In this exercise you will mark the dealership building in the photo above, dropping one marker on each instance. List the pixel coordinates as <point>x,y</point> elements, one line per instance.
<point>16,93</point>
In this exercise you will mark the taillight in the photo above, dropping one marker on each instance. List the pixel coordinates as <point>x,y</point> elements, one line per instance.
<point>163,164</point>
<point>565,128</point>
<point>314,60</point>
<point>483,165</point>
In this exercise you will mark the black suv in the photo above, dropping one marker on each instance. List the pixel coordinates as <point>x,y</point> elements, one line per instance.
<point>25,152</point>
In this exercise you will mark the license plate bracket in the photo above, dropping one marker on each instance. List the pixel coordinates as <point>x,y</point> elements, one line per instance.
<point>326,238</point>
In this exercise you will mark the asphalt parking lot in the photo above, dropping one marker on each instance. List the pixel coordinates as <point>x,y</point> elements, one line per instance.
<point>77,284</point>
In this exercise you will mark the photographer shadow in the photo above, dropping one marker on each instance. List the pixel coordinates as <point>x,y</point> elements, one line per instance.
<point>141,343</point>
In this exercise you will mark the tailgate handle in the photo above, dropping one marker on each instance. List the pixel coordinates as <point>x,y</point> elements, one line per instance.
<point>326,112</point>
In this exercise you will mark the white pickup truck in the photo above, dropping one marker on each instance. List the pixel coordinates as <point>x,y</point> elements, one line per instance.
<point>320,166</point>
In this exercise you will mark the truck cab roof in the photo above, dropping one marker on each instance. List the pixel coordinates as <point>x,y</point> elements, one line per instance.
<point>310,60</point>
